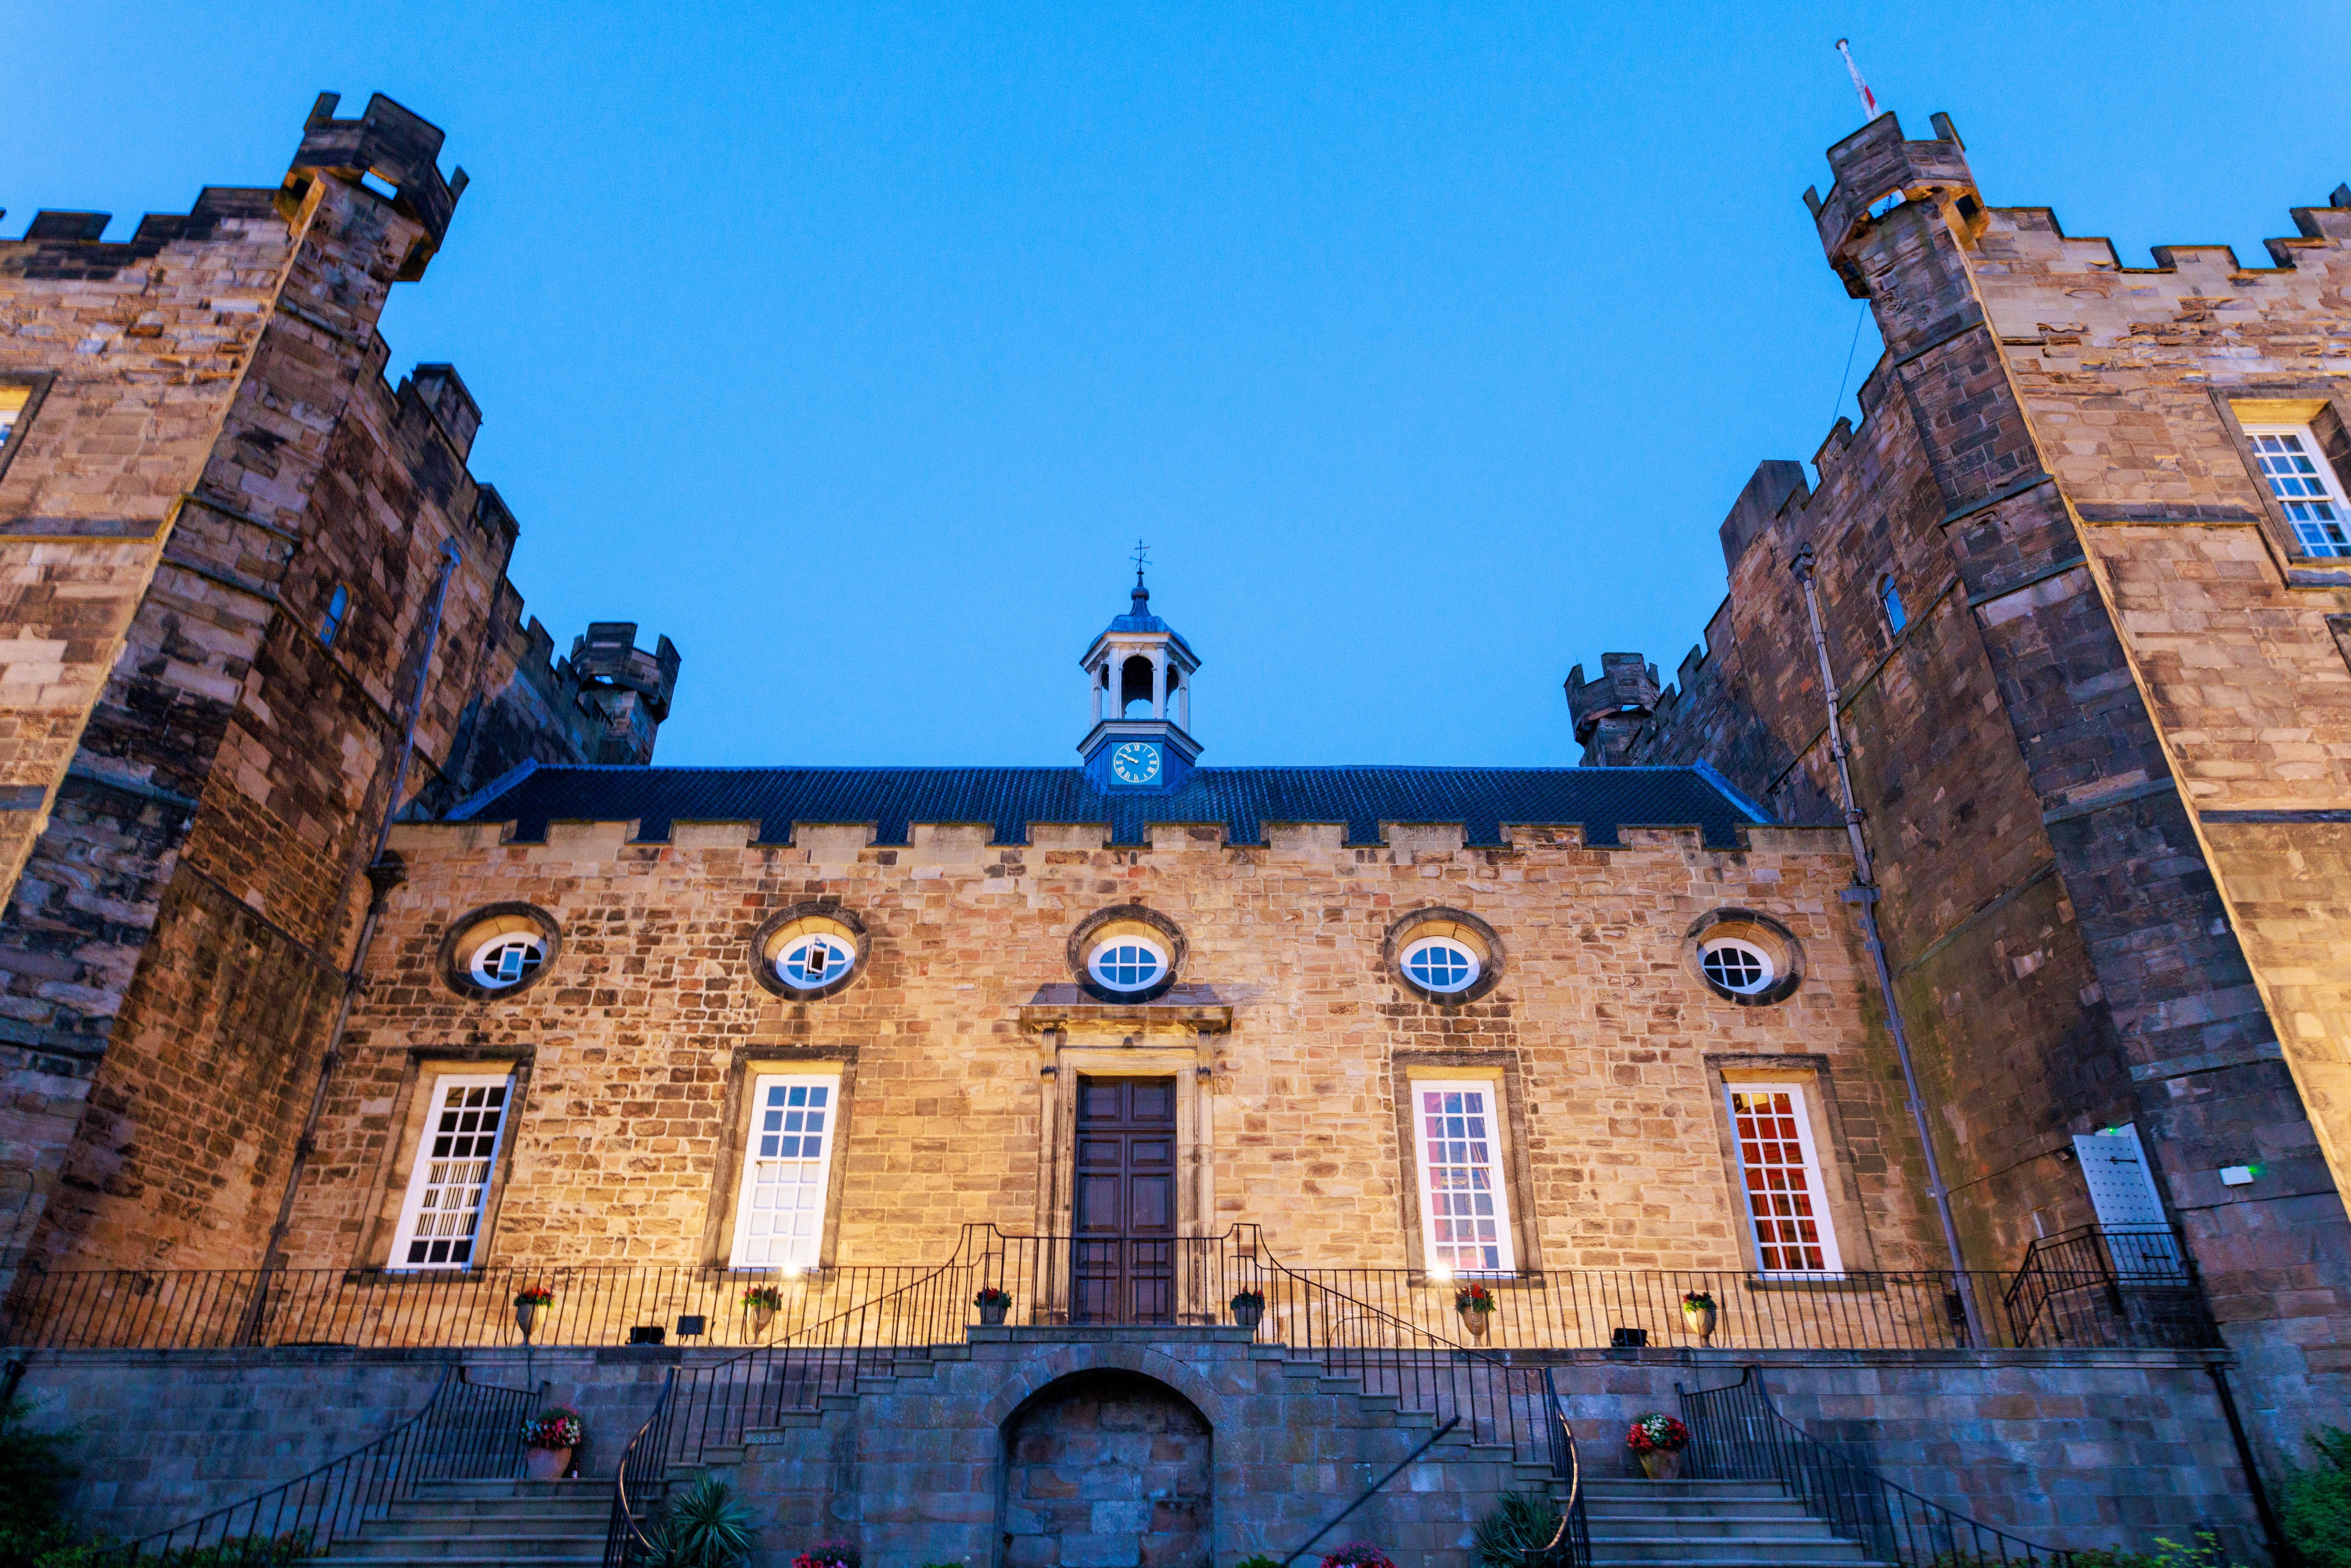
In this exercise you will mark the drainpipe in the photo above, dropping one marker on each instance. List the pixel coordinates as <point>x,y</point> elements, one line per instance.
<point>1863,896</point>
<point>383,874</point>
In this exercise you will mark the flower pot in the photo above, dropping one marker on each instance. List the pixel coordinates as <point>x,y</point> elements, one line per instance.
<point>1247,1313</point>
<point>1475,1323</point>
<point>546,1464</point>
<point>991,1313</point>
<point>1662,1464</point>
<point>760,1316</point>
<point>526,1317</point>
<point>1701,1321</point>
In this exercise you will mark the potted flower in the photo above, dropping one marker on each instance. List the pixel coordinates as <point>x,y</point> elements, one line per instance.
<point>1698,1314</point>
<point>549,1439</point>
<point>993,1304</point>
<point>1657,1441</point>
<point>829,1554</point>
<point>759,1304</point>
<point>527,1303</point>
<point>1358,1555</point>
<point>1476,1305</point>
<point>1248,1306</point>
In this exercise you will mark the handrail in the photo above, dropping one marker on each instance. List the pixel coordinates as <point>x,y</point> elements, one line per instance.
<point>2135,1284</point>
<point>303,1516</point>
<point>1574,1530</point>
<point>1371,1490</point>
<point>622,1539</point>
<point>648,1456</point>
<point>107,1309</point>
<point>1738,1433</point>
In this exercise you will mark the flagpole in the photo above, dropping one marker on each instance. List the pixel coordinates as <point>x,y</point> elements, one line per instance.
<point>1868,99</point>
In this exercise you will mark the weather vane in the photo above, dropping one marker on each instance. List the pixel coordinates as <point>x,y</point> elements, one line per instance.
<point>1141,550</point>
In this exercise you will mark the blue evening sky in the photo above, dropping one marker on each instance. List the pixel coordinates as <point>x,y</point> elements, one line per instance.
<point>854,345</point>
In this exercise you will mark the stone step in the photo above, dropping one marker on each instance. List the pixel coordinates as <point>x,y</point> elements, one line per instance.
<point>542,1491</point>
<point>1666,1508</point>
<point>1728,1549</point>
<point>450,1544</point>
<point>583,1500</point>
<point>428,1555</point>
<point>569,1517</point>
<point>1636,1487</point>
<point>1777,1527</point>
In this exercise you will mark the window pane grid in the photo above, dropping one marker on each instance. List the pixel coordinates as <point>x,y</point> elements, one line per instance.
<point>1126,966</point>
<point>813,961</point>
<point>460,1145</point>
<point>1439,965</point>
<point>781,1220</point>
<point>1790,1232</point>
<point>2291,462</point>
<point>1467,1225</point>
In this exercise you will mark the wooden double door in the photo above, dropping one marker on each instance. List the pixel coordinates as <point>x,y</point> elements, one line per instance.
<point>1122,1247</point>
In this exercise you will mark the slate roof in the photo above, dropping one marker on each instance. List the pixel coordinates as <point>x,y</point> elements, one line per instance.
<point>1599,800</point>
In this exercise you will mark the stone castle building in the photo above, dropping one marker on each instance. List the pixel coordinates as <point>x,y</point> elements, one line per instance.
<point>784,1061</point>
<point>2086,584</point>
<point>234,557</point>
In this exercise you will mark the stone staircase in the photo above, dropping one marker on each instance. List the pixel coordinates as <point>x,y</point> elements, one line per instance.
<point>539,1524</point>
<point>1710,1524</point>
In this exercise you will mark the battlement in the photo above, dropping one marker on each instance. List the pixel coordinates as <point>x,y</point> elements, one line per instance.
<point>399,148</point>
<point>1875,162</point>
<point>1606,711</point>
<point>607,656</point>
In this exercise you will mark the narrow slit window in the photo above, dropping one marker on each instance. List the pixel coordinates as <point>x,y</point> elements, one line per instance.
<point>11,409</point>
<point>1890,596</point>
<point>1787,1207</point>
<point>779,1211</point>
<point>2298,474</point>
<point>1464,1213</point>
<point>338,607</point>
<point>440,1225</point>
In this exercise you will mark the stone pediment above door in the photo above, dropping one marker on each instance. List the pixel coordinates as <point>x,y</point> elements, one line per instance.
<point>1193,1009</point>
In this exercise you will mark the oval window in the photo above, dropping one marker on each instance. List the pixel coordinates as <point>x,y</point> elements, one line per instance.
<point>1737,966</point>
<point>1127,963</point>
<point>816,959</point>
<point>1440,963</point>
<point>506,959</point>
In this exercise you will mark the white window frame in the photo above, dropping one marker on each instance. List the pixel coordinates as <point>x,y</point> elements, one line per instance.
<point>421,1169</point>
<point>2327,481</point>
<point>1754,950</point>
<point>810,1256</point>
<point>1452,943</point>
<point>1107,945</point>
<point>13,402</point>
<point>1832,1259</point>
<point>1498,1173</point>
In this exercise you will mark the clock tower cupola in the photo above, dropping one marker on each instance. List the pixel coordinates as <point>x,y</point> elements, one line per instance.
<point>1141,674</point>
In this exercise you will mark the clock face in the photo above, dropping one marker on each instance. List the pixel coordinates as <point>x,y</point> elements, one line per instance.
<point>1136,762</point>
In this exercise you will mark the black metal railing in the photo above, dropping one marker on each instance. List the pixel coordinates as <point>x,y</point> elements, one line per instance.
<point>1736,1434</point>
<point>637,1482</point>
<point>465,1431</point>
<point>2132,1285</point>
<point>2086,1295</point>
<point>1571,1547</point>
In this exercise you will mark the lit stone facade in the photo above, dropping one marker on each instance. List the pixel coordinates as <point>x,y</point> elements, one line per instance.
<point>960,1042</point>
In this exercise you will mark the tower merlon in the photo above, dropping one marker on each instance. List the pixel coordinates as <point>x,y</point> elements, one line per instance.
<point>1626,691</point>
<point>399,148</point>
<point>607,656</point>
<point>1875,162</point>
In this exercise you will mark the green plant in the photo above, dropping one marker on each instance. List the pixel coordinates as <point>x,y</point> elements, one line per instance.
<point>2167,1553</point>
<point>1473,1299</point>
<point>1256,1560</point>
<point>703,1528</point>
<point>32,1514</point>
<point>769,1297</point>
<point>1522,1530</point>
<point>2315,1506</point>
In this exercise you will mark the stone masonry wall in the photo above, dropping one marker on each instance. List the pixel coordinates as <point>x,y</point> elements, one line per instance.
<point>2080,1449</point>
<point>628,1045</point>
<point>2093,615</point>
<point>216,453</point>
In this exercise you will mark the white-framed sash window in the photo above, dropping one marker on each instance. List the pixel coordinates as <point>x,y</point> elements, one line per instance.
<point>786,1167</point>
<point>441,1221</point>
<point>1465,1215</point>
<point>1780,1172</point>
<point>2298,474</point>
